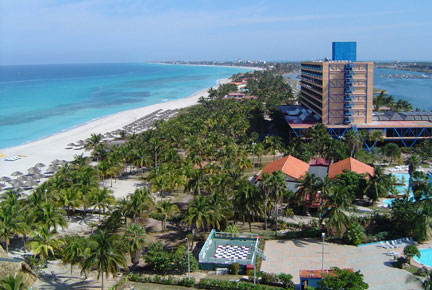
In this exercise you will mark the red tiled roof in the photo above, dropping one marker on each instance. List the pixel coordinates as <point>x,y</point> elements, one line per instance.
<point>316,274</point>
<point>289,165</point>
<point>318,162</point>
<point>349,164</point>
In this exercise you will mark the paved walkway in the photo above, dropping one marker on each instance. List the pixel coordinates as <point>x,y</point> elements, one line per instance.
<point>292,255</point>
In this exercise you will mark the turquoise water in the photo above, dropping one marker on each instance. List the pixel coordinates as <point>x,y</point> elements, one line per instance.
<point>401,189</point>
<point>426,257</point>
<point>417,91</point>
<point>41,100</point>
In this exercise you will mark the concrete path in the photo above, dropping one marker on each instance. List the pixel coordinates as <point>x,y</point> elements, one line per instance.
<point>292,255</point>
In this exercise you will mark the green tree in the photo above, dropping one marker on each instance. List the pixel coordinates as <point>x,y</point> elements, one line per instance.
<point>167,210</point>
<point>423,282</point>
<point>232,229</point>
<point>105,254</point>
<point>411,251</point>
<point>43,243</point>
<point>354,234</point>
<point>102,199</point>
<point>392,151</point>
<point>378,185</point>
<point>74,249</point>
<point>343,280</point>
<point>135,238</point>
<point>12,283</point>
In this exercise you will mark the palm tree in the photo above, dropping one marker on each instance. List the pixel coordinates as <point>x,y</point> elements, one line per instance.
<point>69,198</point>
<point>10,220</point>
<point>105,254</point>
<point>202,213</point>
<point>248,201</point>
<point>279,190</point>
<point>413,162</point>
<point>167,210</point>
<point>93,141</point>
<point>140,201</point>
<point>73,252</point>
<point>50,216</point>
<point>423,282</point>
<point>265,186</point>
<point>135,238</point>
<point>43,243</point>
<point>12,283</point>
<point>378,185</point>
<point>102,199</point>
<point>309,186</point>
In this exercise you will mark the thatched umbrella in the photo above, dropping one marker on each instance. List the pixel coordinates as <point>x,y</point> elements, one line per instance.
<point>5,179</point>
<point>2,185</point>
<point>17,173</point>
<point>55,161</point>
<point>33,170</point>
<point>71,144</point>
<point>51,169</point>
<point>40,165</point>
<point>80,142</point>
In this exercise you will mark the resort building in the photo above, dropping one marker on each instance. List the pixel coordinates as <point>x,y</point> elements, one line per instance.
<point>339,94</point>
<point>296,169</point>
<point>339,91</point>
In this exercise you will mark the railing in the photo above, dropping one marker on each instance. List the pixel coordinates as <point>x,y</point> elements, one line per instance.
<point>206,245</point>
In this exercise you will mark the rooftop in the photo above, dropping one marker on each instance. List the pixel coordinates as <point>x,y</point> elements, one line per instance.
<point>317,274</point>
<point>349,164</point>
<point>289,165</point>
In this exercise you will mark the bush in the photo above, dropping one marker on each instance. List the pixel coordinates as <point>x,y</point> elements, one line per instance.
<point>354,234</point>
<point>169,280</point>
<point>227,285</point>
<point>234,268</point>
<point>286,280</point>
<point>269,278</point>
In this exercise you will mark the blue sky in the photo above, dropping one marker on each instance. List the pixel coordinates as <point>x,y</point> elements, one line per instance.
<point>89,31</point>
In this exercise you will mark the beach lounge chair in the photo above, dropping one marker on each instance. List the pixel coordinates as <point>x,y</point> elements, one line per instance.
<point>395,245</point>
<point>389,245</point>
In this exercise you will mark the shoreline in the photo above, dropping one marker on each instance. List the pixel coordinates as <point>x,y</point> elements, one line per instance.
<point>52,147</point>
<point>251,68</point>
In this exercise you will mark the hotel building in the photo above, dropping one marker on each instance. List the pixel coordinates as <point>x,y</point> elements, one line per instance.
<point>339,94</point>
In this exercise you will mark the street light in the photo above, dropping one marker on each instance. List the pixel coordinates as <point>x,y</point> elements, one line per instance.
<point>323,235</point>
<point>253,158</point>
<point>188,258</point>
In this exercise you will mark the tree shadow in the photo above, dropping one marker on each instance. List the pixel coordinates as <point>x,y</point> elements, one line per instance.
<point>61,282</point>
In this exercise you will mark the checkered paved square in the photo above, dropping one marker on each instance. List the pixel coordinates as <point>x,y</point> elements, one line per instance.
<point>230,252</point>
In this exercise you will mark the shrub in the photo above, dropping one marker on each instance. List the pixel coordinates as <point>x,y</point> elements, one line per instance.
<point>286,280</point>
<point>234,268</point>
<point>354,234</point>
<point>269,278</point>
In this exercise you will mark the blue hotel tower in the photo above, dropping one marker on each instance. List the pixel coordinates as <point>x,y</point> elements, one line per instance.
<point>344,51</point>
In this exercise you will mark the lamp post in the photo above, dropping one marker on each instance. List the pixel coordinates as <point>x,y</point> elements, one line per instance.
<point>253,158</point>
<point>323,235</point>
<point>188,258</point>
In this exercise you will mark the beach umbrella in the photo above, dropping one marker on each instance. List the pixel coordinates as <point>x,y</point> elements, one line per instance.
<point>31,183</point>
<point>16,173</point>
<point>55,161</point>
<point>2,185</point>
<point>71,144</point>
<point>40,165</point>
<point>51,169</point>
<point>33,170</point>
<point>5,179</point>
<point>80,142</point>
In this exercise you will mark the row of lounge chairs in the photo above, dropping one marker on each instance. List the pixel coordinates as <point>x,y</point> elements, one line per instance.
<point>397,243</point>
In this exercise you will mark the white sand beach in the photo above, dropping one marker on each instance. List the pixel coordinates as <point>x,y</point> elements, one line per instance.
<point>54,147</point>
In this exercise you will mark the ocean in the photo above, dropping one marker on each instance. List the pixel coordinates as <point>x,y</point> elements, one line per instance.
<point>41,100</point>
<point>417,91</point>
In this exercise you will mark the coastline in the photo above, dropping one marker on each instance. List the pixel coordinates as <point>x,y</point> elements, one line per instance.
<point>252,68</point>
<point>54,147</point>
